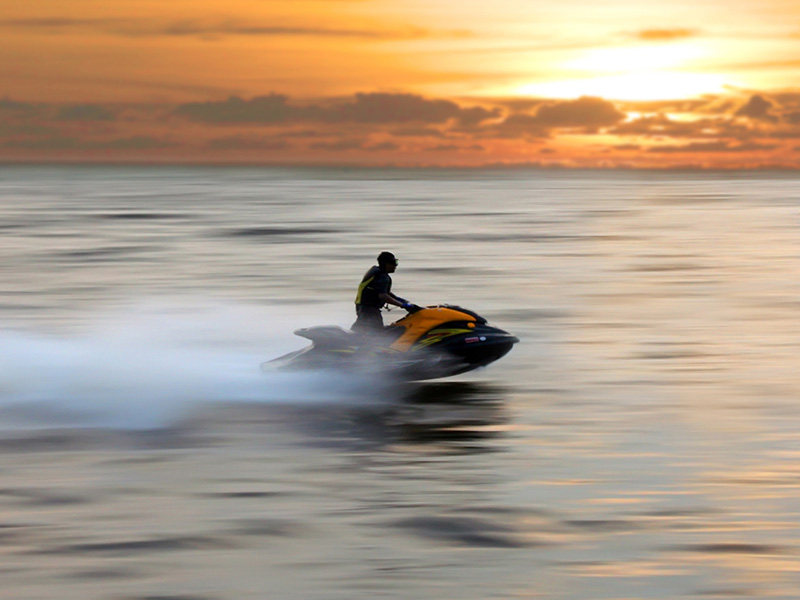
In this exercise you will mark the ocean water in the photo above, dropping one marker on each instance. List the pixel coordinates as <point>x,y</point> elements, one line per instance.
<point>641,441</point>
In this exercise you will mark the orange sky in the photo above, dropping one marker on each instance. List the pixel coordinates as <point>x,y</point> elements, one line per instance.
<point>624,83</point>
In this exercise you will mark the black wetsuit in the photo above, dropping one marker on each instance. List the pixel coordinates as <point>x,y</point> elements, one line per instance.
<point>376,281</point>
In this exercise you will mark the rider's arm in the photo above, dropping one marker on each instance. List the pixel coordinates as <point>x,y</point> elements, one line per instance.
<point>390,298</point>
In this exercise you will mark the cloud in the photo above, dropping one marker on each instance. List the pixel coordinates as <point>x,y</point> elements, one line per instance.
<point>73,143</point>
<point>144,28</point>
<point>355,144</point>
<point>55,142</point>
<point>238,29</point>
<point>27,130</point>
<point>84,112</point>
<point>520,125</point>
<point>583,112</point>
<point>136,142</point>
<point>9,104</point>
<point>363,108</point>
<point>792,117</point>
<point>303,133</point>
<point>667,106</point>
<point>788,100</point>
<point>409,129</point>
<point>658,125</point>
<point>715,105</point>
<point>661,126</point>
<point>245,142</point>
<point>455,148</point>
<point>418,132</point>
<point>521,105</point>
<point>757,108</point>
<point>383,147</point>
<point>712,147</point>
<point>444,148</point>
<point>338,146</point>
<point>13,108</point>
<point>787,132</point>
<point>665,35</point>
<point>261,109</point>
<point>477,115</point>
<point>395,108</point>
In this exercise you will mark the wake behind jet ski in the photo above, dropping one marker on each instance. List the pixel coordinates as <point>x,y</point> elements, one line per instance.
<point>428,343</point>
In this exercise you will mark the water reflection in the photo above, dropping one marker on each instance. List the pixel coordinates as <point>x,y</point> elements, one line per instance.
<point>457,414</point>
<point>452,416</point>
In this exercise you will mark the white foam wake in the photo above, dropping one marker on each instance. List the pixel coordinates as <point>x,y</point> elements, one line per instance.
<point>144,366</point>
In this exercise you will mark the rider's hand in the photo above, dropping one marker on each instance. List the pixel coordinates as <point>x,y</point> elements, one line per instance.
<point>411,308</point>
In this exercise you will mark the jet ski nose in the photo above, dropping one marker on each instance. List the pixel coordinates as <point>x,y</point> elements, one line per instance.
<point>501,335</point>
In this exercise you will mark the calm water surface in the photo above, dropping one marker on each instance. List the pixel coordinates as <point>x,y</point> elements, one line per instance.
<point>642,441</point>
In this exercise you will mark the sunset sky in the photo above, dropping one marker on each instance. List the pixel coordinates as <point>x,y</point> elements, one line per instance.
<point>574,83</point>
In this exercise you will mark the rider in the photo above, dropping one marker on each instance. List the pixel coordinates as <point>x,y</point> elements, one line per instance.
<point>374,292</point>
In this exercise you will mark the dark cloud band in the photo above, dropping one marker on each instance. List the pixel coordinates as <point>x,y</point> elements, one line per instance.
<point>143,28</point>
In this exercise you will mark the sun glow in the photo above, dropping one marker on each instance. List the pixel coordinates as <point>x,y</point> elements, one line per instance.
<point>636,59</point>
<point>631,73</point>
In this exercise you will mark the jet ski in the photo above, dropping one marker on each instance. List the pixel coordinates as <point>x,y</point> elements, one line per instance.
<point>428,343</point>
